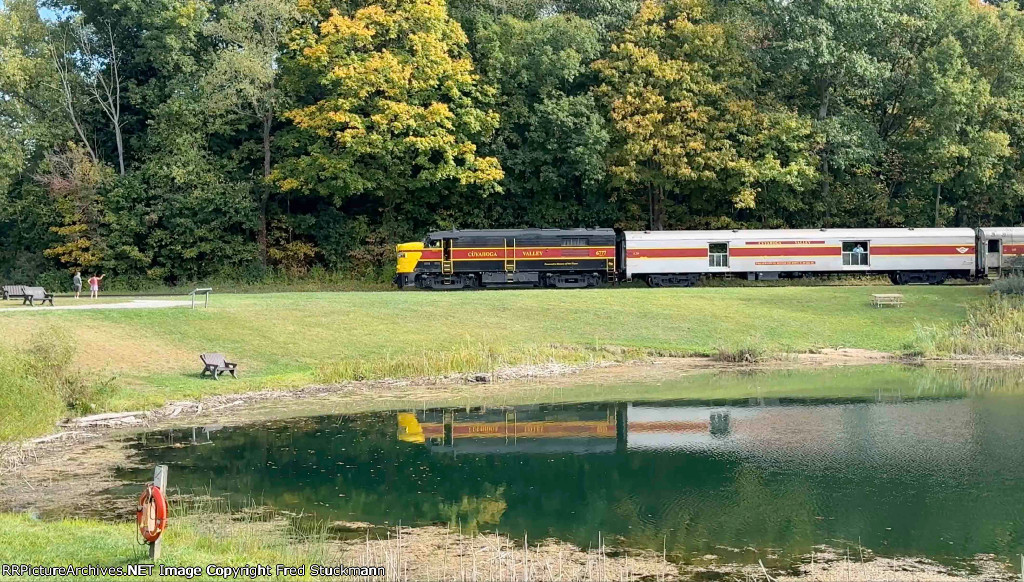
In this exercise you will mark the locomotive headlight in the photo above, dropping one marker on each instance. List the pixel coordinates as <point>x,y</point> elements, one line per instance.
<point>401,255</point>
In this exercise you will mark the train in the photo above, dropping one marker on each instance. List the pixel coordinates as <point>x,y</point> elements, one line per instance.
<point>590,257</point>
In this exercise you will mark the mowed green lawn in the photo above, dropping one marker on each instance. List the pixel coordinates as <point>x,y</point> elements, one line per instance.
<point>148,357</point>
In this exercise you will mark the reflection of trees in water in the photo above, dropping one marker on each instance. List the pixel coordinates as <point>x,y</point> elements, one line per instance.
<point>744,512</point>
<point>354,468</point>
<point>471,512</point>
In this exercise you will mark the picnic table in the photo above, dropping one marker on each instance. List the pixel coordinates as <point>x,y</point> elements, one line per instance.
<point>887,300</point>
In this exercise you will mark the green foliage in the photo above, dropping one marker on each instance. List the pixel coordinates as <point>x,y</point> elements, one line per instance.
<point>400,112</point>
<point>40,383</point>
<point>994,327</point>
<point>26,407</point>
<point>297,136</point>
<point>1013,285</point>
<point>685,132</point>
<point>552,138</point>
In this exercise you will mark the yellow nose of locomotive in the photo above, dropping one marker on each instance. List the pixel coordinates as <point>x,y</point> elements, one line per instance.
<point>408,255</point>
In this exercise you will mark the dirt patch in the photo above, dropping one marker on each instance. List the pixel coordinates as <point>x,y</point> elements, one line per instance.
<point>827,564</point>
<point>69,479</point>
<point>437,553</point>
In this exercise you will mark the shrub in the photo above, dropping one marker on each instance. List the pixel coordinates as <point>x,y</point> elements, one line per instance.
<point>1012,285</point>
<point>40,385</point>
<point>27,407</point>
<point>994,327</point>
<point>53,363</point>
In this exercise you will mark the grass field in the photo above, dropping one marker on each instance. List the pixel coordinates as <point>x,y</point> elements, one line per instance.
<point>132,359</point>
<point>191,541</point>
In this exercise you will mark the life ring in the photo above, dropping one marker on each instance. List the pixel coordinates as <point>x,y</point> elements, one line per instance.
<point>151,514</point>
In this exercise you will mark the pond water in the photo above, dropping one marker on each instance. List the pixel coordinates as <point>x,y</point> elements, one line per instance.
<point>910,462</point>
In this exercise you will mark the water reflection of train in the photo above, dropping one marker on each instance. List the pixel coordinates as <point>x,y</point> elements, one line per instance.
<point>533,429</point>
<point>571,429</point>
<point>821,428</point>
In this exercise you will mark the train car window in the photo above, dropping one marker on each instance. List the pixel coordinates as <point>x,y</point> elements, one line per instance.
<point>993,245</point>
<point>856,253</point>
<point>718,254</point>
<point>574,242</point>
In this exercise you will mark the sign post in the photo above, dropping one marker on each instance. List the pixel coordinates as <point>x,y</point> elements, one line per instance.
<point>160,480</point>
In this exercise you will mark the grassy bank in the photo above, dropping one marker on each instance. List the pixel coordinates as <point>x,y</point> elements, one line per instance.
<point>190,541</point>
<point>993,327</point>
<point>132,359</point>
<point>426,553</point>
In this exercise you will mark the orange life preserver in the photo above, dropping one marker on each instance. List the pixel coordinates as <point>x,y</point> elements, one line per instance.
<point>151,514</point>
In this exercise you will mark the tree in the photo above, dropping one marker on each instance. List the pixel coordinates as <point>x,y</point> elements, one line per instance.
<point>100,57</point>
<point>245,73</point>
<point>77,184</point>
<point>400,114</point>
<point>552,137</point>
<point>673,86</point>
<point>68,84</point>
<point>30,117</point>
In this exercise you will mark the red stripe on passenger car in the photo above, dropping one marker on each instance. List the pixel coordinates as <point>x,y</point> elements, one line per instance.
<point>785,251</point>
<point>784,242</point>
<point>666,253</point>
<point>956,250</point>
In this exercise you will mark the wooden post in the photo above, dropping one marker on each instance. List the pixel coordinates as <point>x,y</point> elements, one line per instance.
<point>160,480</point>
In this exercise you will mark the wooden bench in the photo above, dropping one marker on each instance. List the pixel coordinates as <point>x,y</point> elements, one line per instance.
<point>10,291</point>
<point>216,365</point>
<point>887,300</point>
<point>29,295</point>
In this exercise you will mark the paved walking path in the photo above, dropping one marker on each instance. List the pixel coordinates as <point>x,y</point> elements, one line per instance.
<point>133,304</point>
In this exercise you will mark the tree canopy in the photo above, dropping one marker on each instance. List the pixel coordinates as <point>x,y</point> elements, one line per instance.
<point>165,141</point>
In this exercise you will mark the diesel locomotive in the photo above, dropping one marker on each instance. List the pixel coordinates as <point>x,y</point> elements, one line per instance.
<point>573,258</point>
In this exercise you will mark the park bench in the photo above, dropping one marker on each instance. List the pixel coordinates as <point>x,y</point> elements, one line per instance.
<point>10,291</point>
<point>887,300</point>
<point>216,365</point>
<point>29,295</point>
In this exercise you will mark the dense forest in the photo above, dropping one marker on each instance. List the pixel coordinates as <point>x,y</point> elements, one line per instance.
<point>167,141</point>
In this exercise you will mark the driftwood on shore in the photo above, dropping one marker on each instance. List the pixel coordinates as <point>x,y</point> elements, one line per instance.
<point>108,419</point>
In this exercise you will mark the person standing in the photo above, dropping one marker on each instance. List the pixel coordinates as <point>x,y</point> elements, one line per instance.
<point>94,286</point>
<point>76,283</point>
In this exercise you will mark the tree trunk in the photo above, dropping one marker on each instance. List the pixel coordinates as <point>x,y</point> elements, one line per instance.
<point>658,209</point>
<point>824,93</point>
<point>120,145</point>
<point>261,235</point>
<point>938,194</point>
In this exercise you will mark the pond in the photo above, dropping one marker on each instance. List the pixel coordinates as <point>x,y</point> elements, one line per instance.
<point>910,462</point>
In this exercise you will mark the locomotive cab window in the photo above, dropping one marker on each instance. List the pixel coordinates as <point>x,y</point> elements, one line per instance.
<point>856,253</point>
<point>574,242</point>
<point>718,254</point>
